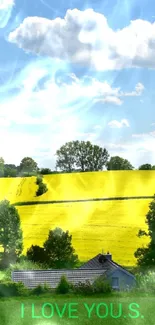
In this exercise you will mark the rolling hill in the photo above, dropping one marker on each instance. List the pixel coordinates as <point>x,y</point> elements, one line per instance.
<point>110,222</point>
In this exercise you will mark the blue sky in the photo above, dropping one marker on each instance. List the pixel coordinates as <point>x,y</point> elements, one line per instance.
<point>77,70</point>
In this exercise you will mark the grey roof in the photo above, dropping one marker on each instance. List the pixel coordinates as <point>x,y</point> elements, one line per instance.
<point>95,264</point>
<point>109,266</point>
<point>32,278</point>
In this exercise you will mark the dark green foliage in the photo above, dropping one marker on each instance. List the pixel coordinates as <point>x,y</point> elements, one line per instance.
<point>101,285</point>
<point>45,171</point>
<point>146,255</point>
<point>59,250</point>
<point>41,289</point>
<point>63,286</point>
<point>10,172</point>
<point>9,289</point>
<point>83,288</point>
<point>42,189</point>
<point>39,179</point>
<point>36,254</point>
<point>81,156</point>
<point>11,238</point>
<point>118,163</point>
<point>1,167</point>
<point>145,167</point>
<point>28,165</point>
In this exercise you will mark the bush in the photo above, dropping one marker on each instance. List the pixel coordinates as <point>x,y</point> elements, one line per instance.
<point>83,288</point>
<point>10,289</point>
<point>146,282</point>
<point>41,289</point>
<point>39,179</point>
<point>101,285</point>
<point>63,286</point>
<point>42,189</point>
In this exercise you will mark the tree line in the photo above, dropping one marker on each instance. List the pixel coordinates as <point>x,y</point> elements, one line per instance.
<point>73,156</point>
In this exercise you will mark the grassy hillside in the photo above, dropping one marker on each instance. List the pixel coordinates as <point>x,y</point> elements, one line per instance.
<point>108,225</point>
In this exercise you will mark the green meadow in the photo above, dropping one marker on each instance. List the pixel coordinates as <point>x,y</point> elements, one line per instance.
<point>64,310</point>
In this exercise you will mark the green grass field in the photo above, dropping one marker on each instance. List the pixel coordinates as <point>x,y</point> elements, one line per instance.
<point>59,310</point>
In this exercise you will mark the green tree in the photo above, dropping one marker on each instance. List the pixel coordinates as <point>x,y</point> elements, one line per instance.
<point>10,170</point>
<point>145,167</point>
<point>1,167</point>
<point>146,255</point>
<point>59,250</point>
<point>28,165</point>
<point>36,254</point>
<point>11,238</point>
<point>81,155</point>
<point>45,171</point>
<point>118,163</point>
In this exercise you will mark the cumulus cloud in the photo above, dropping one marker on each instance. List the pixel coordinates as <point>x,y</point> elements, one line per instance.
<point>117,124</point>
<point>93,43</point>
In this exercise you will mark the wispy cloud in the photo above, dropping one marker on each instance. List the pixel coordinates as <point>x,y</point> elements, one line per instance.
<point>117,124</point>
<point>5,11</point>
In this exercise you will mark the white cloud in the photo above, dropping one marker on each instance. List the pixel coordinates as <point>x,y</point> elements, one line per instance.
<point>137,92</point>
<point>93,43</point>
<point>137,151</point>
<point>44,114</point>
<point>117,124</point>
<point>5,4</point>
<point>109,99</point>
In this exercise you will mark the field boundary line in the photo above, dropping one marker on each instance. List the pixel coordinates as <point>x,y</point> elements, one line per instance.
<point>84,200</point>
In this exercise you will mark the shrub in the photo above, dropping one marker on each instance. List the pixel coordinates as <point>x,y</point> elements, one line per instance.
<point>83,288</point>
<point>39,179</point>
<point>41,289</point>
<point>9,289</point>
<point>146,282</point>
<point>42,189</point>
<point>101,285</point>
<point>63,286</point>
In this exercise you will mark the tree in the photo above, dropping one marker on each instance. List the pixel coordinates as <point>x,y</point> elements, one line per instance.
<point>1,167</point>
<point>118,163</point>
<point>45,171</point>
<point>81,155</point>
<point>146,255</point>
<point>10,170</point>
<point>59,250</point>
<point>28,165</point>
<point>145,167</point>
<point>11,238</point>
<point>36,254</point>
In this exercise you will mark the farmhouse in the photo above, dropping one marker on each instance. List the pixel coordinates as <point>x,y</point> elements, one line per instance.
<point>101,264</point>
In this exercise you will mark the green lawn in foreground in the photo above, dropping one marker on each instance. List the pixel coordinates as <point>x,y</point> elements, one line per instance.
<point>10,310</point>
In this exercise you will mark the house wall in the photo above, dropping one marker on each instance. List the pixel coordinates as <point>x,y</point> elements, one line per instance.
<point>125,280</point>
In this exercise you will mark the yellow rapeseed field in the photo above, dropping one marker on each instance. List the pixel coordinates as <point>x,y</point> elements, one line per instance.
<point>107,225</point>
<point>80,186</point>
